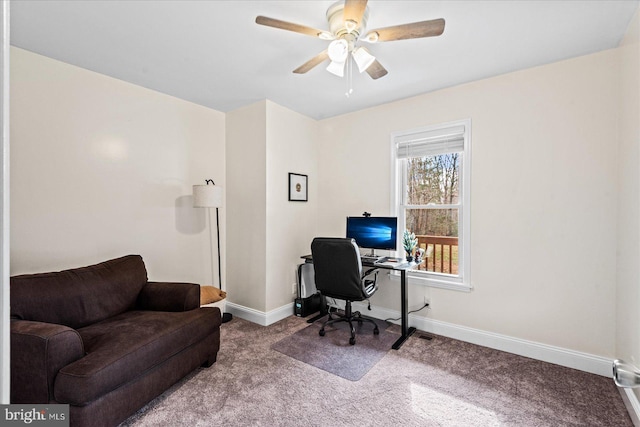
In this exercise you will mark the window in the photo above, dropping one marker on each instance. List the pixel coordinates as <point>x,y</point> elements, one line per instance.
<point>432,194</point>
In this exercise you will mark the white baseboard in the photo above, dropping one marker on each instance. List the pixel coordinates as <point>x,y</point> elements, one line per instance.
<point>631,402</point>
<point>260,317</point>
<point>547,353</point>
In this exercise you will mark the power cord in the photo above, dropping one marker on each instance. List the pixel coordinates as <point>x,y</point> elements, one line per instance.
<point>426,304</point>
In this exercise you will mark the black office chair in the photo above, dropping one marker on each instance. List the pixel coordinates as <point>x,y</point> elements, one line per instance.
<point>338,274</point>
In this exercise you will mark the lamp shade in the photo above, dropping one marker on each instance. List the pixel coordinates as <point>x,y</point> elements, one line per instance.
<point>336,68</point>
<point>363,58</point>
<point>338,50</point>
<point>207,196</point>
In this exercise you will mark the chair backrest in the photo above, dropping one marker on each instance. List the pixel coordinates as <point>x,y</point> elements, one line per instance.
<point>338,269</point>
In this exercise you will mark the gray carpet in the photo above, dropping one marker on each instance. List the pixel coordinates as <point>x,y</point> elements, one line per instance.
<point>333,353</point>
<point>441,382</point>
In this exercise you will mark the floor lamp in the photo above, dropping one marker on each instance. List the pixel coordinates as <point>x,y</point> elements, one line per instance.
<point>210,196</point>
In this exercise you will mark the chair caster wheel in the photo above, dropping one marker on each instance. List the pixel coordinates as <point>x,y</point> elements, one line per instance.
<point>376,331</point>
<point>321,333</point>
<point>352,341</point>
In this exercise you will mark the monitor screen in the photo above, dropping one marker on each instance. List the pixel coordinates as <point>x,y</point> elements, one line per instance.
<point>374,232</point>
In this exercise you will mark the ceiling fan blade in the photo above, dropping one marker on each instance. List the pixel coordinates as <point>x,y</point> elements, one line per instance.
<point>354,10</point>
<point>376,70</point>
<point>289,26</point>
<point>414,30</point>
<point>318,59</point>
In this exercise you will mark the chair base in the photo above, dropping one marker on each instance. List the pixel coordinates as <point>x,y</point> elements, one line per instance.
<point>349,317</point>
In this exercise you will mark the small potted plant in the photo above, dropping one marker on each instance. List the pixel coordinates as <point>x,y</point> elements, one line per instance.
<point>409,242</point>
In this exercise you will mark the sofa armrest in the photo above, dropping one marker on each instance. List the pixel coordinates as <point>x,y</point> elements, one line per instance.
<point>165,296</point>
<point>38,351</point>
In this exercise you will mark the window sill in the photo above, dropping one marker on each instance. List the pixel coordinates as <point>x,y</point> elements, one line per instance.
<point>442,283</point>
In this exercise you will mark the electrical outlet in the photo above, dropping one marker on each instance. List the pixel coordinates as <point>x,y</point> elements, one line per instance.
<point>427,300</point>
<point>294,289</point>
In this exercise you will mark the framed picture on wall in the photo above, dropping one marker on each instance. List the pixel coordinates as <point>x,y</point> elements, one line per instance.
<point>298,189</point>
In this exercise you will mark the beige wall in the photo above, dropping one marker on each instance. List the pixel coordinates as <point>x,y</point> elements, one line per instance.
<point>267,233</point>
<point>101,168</point>
<point>291,226</point>
<point>628,277</point>
<point>247,200</point>
<point>543,203</point>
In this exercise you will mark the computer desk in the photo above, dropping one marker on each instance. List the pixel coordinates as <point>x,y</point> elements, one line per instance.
<point>403,267</point>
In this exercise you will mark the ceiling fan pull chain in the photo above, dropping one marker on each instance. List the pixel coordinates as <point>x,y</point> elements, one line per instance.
<point>349,77</point>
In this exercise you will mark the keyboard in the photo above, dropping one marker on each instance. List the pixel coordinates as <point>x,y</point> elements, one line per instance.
<point>373,259</point>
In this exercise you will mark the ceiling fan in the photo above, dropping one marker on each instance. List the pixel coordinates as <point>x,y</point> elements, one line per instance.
<point>347,26</point>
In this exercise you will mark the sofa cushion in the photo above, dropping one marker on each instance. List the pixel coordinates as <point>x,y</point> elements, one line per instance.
<point>125,347</point>
<point>80,296</point>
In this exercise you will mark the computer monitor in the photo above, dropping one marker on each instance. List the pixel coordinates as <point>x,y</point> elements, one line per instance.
<point>373,232</point>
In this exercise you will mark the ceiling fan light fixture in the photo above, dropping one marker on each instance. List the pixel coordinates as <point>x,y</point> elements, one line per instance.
<point>350,25</point>
<point>326,35</point>
<point>336,68</point>
<point>338,50</point>
<point>371,37</point>
<point>363,58</point>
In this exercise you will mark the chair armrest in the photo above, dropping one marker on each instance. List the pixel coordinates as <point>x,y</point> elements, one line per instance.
<point>370,286</point>
<point>165,296</point>
<point>38,351</point>
<point>368,272</point>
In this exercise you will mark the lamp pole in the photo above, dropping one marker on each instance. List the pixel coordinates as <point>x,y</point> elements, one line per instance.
<point>218,240</point>
<point>210,196</point>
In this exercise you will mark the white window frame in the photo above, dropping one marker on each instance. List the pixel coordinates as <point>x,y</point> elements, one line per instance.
<point>398,182</point>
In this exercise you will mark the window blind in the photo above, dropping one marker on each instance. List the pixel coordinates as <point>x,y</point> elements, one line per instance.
<point>430,143</point>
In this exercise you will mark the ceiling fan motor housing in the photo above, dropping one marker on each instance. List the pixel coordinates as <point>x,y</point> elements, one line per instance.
<point>337,26</point>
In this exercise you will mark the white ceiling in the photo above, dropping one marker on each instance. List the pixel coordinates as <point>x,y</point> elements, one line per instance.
<point>212,52</point>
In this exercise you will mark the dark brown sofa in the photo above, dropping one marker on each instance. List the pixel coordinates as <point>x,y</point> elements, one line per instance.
<point>105,340</point>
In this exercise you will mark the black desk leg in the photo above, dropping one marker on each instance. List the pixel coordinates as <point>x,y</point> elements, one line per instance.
<point>404,308</point>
